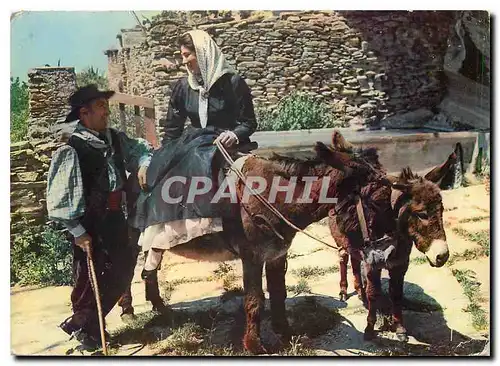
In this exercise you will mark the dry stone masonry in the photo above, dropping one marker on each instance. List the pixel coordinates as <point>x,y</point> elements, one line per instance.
<point>365,65</point>
<point>28,182</point>
<point>49,89</point>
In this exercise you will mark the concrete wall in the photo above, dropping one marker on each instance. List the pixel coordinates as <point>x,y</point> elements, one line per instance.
<point>397,148</point>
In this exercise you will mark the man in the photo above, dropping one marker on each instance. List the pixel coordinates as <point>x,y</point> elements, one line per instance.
<point>85,186</point>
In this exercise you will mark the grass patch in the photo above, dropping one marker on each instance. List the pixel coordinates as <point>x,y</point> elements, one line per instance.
<point>309,272</point>
<point>302,287</point>
<point>447,209</point>
<point>481,209</point>
<point>471,289</point>
<point>481,237</point>
<point>151,327</point>
<point>227,275</point>
<point>168,287</point>
<point>297,348</point>
<point>473,219</point>
<point>185,339</point>
<point>134,331</point>
<point>467,255</point>
<point>292,255</point>
<point>232,293</point>
<point>312,319</point>
<point>419,260</point>
<point>184,280</point>
<point>479,320</point>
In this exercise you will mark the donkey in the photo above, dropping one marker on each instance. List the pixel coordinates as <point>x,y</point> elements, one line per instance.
<point>409,211</point>
<point>258,237</point>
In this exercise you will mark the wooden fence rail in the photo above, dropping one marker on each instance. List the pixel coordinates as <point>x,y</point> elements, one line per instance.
<point>149,115</point>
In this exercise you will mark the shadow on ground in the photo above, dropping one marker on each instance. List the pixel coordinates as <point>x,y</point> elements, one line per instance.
<point>220,324</point>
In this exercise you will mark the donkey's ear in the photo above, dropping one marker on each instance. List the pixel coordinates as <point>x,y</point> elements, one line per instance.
<point>339,143</point>
<point>436,174</point>
<point>336,159</point>
<point>322,151</point>
<point>402,187</point>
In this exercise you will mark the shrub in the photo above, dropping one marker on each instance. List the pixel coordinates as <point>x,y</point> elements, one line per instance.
<point>296,111</point>
<point>19,109</point>
<point>40,255</point>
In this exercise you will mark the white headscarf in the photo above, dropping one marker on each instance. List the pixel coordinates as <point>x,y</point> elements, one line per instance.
<point>212,64</point>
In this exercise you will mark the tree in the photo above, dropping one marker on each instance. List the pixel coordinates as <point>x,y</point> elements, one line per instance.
<point>19,109</point>
<point>89,75</point>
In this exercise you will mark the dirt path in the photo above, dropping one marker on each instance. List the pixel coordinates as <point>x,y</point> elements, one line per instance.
<point>434,313</point>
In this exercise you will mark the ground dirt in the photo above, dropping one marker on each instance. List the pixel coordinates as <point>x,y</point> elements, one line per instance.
<point>434,310</point>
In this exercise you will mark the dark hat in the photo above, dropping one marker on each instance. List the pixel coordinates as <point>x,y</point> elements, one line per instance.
<point>82,97</point>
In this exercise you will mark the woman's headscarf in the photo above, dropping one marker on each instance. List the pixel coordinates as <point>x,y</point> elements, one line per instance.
<point>212,63</point>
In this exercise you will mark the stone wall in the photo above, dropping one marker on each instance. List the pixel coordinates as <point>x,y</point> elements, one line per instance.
<point>49,89</point>
<point>368,65</point>
<point>28,182</point>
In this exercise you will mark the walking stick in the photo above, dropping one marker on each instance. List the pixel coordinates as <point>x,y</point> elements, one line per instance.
<point>95,288</point>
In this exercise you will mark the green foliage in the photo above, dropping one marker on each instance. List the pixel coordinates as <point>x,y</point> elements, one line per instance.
<point>309,272</point>
<point>296,111</point>
<point>40,255</point>
<point>302,287</point>
<point>19,109</point>
<point>471,289</point>
<point>481,237</point>
<point>89,75</point>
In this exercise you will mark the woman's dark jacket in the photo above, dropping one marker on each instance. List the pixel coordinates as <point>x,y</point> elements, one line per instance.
<point>230,107</point>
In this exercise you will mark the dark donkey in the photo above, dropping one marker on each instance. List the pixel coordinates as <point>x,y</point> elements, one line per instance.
<point>258,237</point>
<point>408,211</point>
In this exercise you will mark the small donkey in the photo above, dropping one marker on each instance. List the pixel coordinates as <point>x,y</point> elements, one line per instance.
<point>410,211</point>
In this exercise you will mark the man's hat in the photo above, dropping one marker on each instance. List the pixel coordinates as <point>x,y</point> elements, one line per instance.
<point>82,97</point>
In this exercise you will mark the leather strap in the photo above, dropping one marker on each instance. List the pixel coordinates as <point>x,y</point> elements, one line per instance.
<point>361,218</point>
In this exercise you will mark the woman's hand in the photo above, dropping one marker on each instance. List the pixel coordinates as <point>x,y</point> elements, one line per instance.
<point>141,175</point>
<point>227,138</point>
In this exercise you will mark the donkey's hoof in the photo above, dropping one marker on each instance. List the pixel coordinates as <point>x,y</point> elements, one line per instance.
<point>401,336</point>
<point>253,345</point>
<point>369,334</point>
<point>343,297</point>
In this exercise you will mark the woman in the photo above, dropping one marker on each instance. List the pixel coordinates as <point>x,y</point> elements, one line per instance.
<point>211,95</point>
<point>219,105</point>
